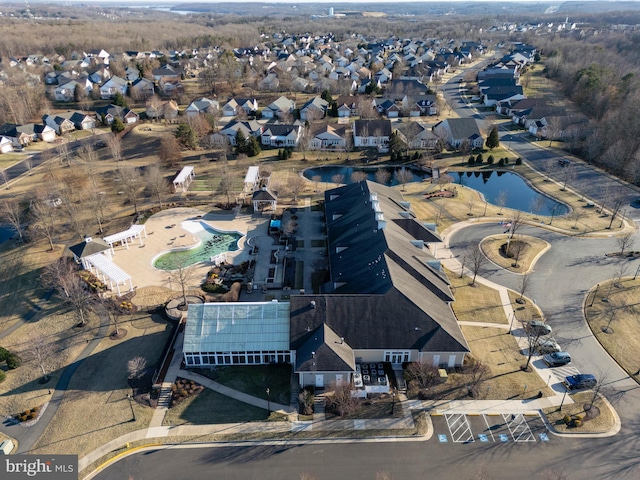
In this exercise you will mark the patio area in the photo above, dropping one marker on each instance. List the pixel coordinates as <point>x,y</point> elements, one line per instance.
<point>164,233</point>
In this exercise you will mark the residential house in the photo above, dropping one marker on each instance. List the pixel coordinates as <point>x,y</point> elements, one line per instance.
<point>170,86</point>
<point>270,82</point>
<point>233,106</point>
<point>141,89</point>
<point>328,137</point>
<point>511,107</point>
<point>248,128</point>
<point>279,108</point>
<point>424,106</point>
<point>23,135</point>
<point>66,92</point>
<point>167,71</point>
<point>347,106</point>
<point>455,131</point>
<point>525,118</point>
<point>131,74</point>
<point>557,127</point>
<point>201,106</point>
<point>159,109</point>
<point>71,120</point>
<point>276,135</point>
<point>109,113</point>
<point>387,107</point>
<point>6,145</point>
<point>371,133</point>
<point>399,88</point>
<point>314,109</point>
<point>111,87</point>
<point>416,136</point>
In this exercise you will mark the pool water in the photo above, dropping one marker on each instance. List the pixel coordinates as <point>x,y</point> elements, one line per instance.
<point>212,243</point>
<point>327,173</point>
<point>518,195</point>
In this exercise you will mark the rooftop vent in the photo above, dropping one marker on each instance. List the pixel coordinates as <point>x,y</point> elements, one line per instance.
<point>313,304</point>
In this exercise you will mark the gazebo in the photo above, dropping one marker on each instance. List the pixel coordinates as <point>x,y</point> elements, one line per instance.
<point>95,256</point>
<point>262,198</point>
<point>89,247</point>
<point>129,235</point>
<point>184,179</point>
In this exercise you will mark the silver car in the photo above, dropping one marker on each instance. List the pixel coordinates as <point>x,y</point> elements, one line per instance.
<point>547,346</point>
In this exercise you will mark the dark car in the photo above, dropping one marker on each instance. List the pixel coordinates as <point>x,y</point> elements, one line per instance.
<point>582,380</point>
<point>563,162</point>
<point>557,359</point>
<point>537,327</point>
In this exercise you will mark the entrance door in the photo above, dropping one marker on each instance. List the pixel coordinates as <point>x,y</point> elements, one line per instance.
<point>319,381</point>
<point>339,378</point>
<point>436,360</point>
<point>452,361</point>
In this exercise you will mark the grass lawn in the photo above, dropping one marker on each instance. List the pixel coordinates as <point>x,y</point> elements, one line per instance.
<point>9,159</point>
<point>499,350</point>
<point>615,322</point>
<point>525,311</point>
<point>477,303</point>
<point>602,420</point>
<point>254,380</point>
<point>210,407</point>
<point>98,390</point>
<point>531,248</point>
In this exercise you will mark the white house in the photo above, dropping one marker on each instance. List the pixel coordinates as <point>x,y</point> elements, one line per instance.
<point>201,106</point>
<point>279,108</point>
<point>6,145</point>
<point>371,133</point>
<point>328,137</point>
<point>281,135</point>
<point>111,87</point>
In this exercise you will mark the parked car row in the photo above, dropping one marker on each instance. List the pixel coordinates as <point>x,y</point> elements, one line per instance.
<point>553,356</point>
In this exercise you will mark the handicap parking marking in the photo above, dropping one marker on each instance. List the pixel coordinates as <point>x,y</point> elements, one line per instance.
<point>543,437</point>
<point>503,437</point>
<point>483,438</point>
<point>519,428</point>
<point>442,438</point>
<point>489,428</point>
<point>459,428</point>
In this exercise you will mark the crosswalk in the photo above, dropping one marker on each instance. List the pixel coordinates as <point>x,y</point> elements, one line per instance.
<point>561,372</point>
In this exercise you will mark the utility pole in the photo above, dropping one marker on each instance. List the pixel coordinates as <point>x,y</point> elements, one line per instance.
<point>595,292</point>
<point>464,258</point>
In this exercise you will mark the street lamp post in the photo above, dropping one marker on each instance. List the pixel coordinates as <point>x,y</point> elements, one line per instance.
<point>393,400</point>
<point>133,413</point>
<point>485,209</point>
<point>622,217</point>
<point>562,402</point>
<point>549,381</point>
<point>513,317</point>
<point>637,270</point>
<point>462,269</point>
<point>268,400</point>
<point>595,292</point>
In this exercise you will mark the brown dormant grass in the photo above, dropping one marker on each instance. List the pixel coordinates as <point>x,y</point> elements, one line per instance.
<point>622,341</point>
<point>98,391</point>
<point>603,422</point>
<point>477,303</point>
<point>531,251</point>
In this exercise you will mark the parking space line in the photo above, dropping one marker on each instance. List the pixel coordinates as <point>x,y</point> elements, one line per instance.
<point>459,428</point>
<point>521,432</point>
<point>488,428</point>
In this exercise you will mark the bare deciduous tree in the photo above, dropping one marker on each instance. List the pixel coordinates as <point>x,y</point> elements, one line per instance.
<point>502,200</point>
<point>170,153</point>
<point>382,176</point>
<point>477,260</point>
<point>115,146</point>
<point>182,275</point>
<point>157,184</point>
<point>130,181</point>
<point>12,212</point>
<point>537,203</point>
<point>338,178</point>
<point>341,400</point>
<point>403,176</point>
<point>44,214</point>
<point>358,176</point>
<point>316,179</point>
<point>39,351</point>
<point>226,185</point>
<point>624,242</point>
<point>77,296</point>
<point>295,185</point>
<point>523,286</point>
<point>5,178</point>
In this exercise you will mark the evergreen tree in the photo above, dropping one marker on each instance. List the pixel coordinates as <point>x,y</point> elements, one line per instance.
<point>186,136</point>
<point>326,95</point>
<point>119,100</point>
<point>253,147</point>
<point>241,142</point>
<point>493,141</point>
<point>117,126</point>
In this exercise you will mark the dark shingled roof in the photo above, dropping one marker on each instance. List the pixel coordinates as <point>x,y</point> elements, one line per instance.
<point>383,292</point>
<point>322,350</point>
<point>90,247</point>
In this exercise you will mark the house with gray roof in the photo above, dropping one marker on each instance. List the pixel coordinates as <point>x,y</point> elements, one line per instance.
<point>454,131</point>
<point>279,108</point>
<point>201,106</point>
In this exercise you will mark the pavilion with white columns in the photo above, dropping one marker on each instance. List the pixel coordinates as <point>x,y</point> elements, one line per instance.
<point>126,236</point>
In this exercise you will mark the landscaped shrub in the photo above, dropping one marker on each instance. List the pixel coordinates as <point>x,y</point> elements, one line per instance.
<point>501,162</point>
<point>3,376</point>
<point>471,160</point>
<point>518,161</point>
<point>479,158</point>
<point>506,160</point>
<point>490,160</point>
<point>13,361</point>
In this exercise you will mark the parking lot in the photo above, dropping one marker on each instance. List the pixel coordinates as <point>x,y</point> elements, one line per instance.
<point>489,428</point>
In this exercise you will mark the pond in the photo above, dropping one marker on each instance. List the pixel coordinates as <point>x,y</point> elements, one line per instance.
<point>517,194</point>
<point>6,232</point>
<point>327,173</point>
<point>212,242</point>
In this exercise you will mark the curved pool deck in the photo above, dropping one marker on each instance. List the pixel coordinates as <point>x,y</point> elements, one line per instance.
<point>165,231</point>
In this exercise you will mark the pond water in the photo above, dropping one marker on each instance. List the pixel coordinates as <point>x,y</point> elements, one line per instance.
<point>327,173</point>
<point>212,242</point>
<point>6,232</point>
<point>518,194</point>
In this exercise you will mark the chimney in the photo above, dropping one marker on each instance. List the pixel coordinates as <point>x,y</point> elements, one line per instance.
<point>381,221</point>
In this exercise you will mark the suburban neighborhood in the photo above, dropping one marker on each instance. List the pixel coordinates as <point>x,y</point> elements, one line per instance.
<point>385,252</point>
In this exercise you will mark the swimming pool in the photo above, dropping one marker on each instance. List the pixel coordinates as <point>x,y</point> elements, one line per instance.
<point>212,242</point>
